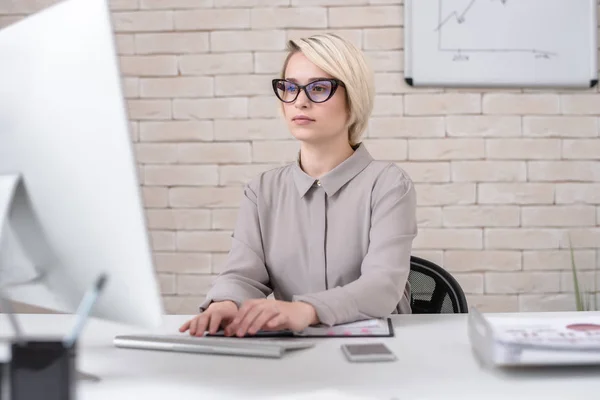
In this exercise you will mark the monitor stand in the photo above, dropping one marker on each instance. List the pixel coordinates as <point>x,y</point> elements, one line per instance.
<point>14,199</point>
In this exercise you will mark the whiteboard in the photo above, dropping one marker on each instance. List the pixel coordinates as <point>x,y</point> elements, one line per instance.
<point>538,43</point>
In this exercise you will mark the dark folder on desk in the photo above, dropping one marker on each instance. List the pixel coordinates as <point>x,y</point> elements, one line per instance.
<point>367,328</point>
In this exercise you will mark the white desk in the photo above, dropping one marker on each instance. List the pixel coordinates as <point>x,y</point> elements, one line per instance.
<point>435,362</point>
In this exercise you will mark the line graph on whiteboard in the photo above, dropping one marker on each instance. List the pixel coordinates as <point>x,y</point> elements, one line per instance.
<point>460,24</point>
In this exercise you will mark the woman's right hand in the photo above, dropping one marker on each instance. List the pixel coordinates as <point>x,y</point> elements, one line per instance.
<point>216,315</point>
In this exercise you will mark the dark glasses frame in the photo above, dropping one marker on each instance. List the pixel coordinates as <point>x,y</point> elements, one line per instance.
<point>335,83</point>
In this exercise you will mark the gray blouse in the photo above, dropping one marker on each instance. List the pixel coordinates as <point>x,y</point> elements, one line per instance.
<point>341,243</point>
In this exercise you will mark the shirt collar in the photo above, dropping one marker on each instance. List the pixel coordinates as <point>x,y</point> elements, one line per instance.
<point>337,177</point>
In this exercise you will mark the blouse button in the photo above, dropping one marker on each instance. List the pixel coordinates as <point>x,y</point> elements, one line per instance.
<point>318,183</point>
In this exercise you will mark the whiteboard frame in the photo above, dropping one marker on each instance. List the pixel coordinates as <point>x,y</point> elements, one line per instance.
<point>408,69</point>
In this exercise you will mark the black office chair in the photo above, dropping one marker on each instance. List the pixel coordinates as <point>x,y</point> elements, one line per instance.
<point>434,290</point>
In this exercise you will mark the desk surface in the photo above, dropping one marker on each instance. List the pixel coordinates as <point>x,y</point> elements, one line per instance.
<point>434,362</point>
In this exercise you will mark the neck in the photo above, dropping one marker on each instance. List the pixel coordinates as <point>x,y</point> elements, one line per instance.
<point>318,159</point>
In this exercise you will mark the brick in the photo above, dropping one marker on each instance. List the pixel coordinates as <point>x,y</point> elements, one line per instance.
<point>580,238</point>
<point>387,149</point>
<point>142,21</point>
<point>187,175</point>
<point>131,87</point>
<point>230,175</point>
<point>231,107</point>
<point>446,149</point>
<point>515,193</point>
<point>385,61</point>
<point>427,171</point>
<point>156,153</point>
<point>523,238</point>
<point>176,87</point>
<point>560,126</point>
<point>25,6</point>
<point>567,193</point>
<point>444,194</point>
<point>224,218</point>
<point>583,149</point>
<point>435,256</point>
<point>588,282</point>
<point>172,43</point>
<point>520,104</point>
<point>558,216</point>
<point>148,65</point>
<point>388,105</point>
<point>393,82</point>
<point>123,4</point>
<point>483,126</point>
<point>125,44</point>
<point>488,171</point>
<point>182,305</point>
<point>523,149</point>
<point>7,20</point>
<point>149,109</point>
<point>178,219</point>
<point>243,85</point>
<point>211,19</point>
<point>134,130</point>
<point>580,103</point>
<point>250,129</point>
<point>294,17</point>
<point>442,103</point>
<point>275,151</point>
<point>194,284</point>
<point>406,127</point>
<point>269,62</point>
<point>182,262</point>
<point>494,304</point>
<point>372,16</point>
<point>430,217</point>
<point>470,283</point>
<point>386,1</point>
<point>546,302</point>
<point>261,40</point>
<point>564,170</point>
<point>328,2</point>
<point>212,64</point>
<point>162,240</point>
<point>209,197</point>
<point>250,3</point>
<point>166,283</point>
<point>482,260</point>
<point>155,197</point>
<point>383,39</point>
<point>431,238</point>
<point>215,153</point>
<point>352,35</point>
<point>481,216</point>
<point>176,131</point>
<point>521,282</point>
<point>175,4</point>
<point>203,241</point>
<point>264,107</point>
<point>553,260</point>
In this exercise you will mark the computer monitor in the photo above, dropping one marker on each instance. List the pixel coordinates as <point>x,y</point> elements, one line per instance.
<point>64,131</point>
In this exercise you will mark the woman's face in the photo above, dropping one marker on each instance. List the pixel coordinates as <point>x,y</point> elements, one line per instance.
<point>309,121</point>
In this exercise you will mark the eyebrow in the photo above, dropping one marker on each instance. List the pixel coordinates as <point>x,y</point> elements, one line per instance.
<point>318,78</point>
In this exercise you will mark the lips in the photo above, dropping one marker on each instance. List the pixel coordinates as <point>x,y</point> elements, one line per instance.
<point>302,118</point>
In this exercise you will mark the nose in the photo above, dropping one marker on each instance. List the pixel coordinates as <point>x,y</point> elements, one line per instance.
<point>302,100</point>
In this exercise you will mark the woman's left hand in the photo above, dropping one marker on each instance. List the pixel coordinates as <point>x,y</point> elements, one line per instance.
<point>267,314</point>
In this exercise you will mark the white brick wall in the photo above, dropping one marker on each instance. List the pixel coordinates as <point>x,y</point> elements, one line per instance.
<point>503,176</point>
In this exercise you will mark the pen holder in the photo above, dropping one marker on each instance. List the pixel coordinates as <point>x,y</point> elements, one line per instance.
<point>42,369</point>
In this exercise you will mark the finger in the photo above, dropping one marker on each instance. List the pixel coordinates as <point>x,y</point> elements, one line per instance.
<point>278,322</point>
<point>201,324</point>
<point>185,326</point>
<point>241,314</point>
<point>215,322</point>
<point>261,320</point>
<point>249,319</point>
<point>193,323</point>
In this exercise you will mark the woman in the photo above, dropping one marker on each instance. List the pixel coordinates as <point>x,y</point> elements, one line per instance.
<point>329,235</point>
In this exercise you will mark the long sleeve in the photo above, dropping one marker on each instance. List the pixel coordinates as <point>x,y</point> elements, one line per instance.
<point>245,276</point>
<point>386,265</point>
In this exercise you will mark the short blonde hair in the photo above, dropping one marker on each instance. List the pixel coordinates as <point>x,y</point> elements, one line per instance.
<point>344,61</point>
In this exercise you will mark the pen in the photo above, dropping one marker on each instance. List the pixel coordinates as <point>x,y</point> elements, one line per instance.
<point>84,309</point>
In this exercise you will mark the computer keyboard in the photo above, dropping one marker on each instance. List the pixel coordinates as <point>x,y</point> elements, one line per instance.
<point>264,347</point>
